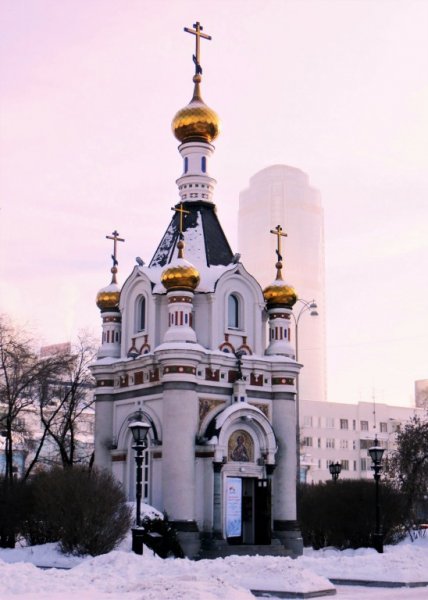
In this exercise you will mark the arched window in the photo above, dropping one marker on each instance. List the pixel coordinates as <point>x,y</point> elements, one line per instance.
<point>141,314</point>
<point>204,164</point>
<point>233,311</point>
<point>186,164</point>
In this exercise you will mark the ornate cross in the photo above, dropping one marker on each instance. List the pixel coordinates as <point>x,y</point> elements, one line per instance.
<point>279,233</point>
<point>115,237</point>
<point>181,212</point>
<point>198,33</point>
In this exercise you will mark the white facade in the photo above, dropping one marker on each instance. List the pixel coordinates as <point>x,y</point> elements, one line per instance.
<point>339,432</point>
<point>282,195</point>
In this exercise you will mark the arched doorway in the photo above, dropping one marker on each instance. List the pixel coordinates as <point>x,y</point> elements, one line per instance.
<point>243,486</point>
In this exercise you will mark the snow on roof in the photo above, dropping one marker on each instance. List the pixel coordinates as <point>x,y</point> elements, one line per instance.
<point>208,275</point>
<point>180,346</point>
<point>204,238</point>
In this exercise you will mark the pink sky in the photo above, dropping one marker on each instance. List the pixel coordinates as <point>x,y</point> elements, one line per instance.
<point>337,89</point>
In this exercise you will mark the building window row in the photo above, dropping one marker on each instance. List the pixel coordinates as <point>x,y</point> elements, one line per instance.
<point>330,423</point>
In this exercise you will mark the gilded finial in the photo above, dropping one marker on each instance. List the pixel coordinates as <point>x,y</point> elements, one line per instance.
<point>181,211</point>
<point>109,296</point>
<point>197,77</point>
<point>197,32</point>
<point>196,121</point>
<point>279,234</point>
<point>279,292</point>
<point>115,237</point>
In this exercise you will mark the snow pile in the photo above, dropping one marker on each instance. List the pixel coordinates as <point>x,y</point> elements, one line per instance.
<point>126,576</point>
<point>406,562</point>
<point>117,575</point>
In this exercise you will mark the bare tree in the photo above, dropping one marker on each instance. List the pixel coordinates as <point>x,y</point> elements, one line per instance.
<point>66,404</point>
<point>407,467</point>
<point>23,373</point>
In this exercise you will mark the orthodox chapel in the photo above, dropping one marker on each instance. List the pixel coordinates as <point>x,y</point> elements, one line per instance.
<point>194,346</point>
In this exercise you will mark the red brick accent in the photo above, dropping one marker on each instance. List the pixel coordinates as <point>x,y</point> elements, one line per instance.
<point>282,380</point>
<point>256,379</point>
<point>154,375</point>
<point>138,378</point>
<point>105,383</point>
<point>124,381</point>
<point>119,458</point>
<point>212,375</point>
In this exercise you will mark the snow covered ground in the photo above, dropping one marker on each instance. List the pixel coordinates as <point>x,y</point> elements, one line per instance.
<point>126,576</point>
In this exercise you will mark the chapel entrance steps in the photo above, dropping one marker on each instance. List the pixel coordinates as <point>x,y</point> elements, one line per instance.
<point>215,548</point>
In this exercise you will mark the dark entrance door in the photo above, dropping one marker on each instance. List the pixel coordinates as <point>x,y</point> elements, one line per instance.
<point>262,522</point>
<point>256,512</point>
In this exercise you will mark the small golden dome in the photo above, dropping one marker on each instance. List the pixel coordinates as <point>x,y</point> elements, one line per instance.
<point>108,297</point>
<point>279,292</point>
<point>180,275</point>
<point>196,122</point>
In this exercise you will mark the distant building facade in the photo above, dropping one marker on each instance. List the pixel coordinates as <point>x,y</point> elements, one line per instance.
<point>282,194</point>
<point>339,432</point>
<point>29,431</point>
<point>421,393</point>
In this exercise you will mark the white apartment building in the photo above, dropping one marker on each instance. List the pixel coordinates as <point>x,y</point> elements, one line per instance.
<point>339,432</point>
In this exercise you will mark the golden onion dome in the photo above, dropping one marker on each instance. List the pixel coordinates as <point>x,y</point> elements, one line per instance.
<point>279,292</point>
<point>180,275</point>
<point>108,297</point>
<point>196,122</point>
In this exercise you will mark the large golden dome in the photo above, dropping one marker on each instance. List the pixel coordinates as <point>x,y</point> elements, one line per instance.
<point>108,297</point>
<point>180,275</point>
<point>196,122</point>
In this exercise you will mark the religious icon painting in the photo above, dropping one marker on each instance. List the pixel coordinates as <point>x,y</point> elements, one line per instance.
<point>240,447</point>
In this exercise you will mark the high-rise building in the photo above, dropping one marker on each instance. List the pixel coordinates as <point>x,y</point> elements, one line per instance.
<point>282,195</point>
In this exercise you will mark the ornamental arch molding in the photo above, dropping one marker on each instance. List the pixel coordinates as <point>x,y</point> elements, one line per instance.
<point>248,418</point>
<point>155,432</point>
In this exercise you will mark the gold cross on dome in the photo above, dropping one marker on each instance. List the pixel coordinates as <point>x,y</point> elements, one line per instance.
<point>181,211</point>
<point>115,237</point>
<point>279,233</point>
<point>198,33</point>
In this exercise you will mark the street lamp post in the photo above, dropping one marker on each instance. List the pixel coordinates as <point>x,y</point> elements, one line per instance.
<point>335,469</point>
<point>312,307</point>
<point>376,453</point>
<point>139,429</point>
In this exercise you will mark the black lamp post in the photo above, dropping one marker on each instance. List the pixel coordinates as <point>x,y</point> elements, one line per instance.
<point>313,308</point>
<point>376,453</point>
<point>139,429</point>
<point>335,469</point>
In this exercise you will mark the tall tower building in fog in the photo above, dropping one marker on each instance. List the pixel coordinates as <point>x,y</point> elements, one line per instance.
<point>282,195</point>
